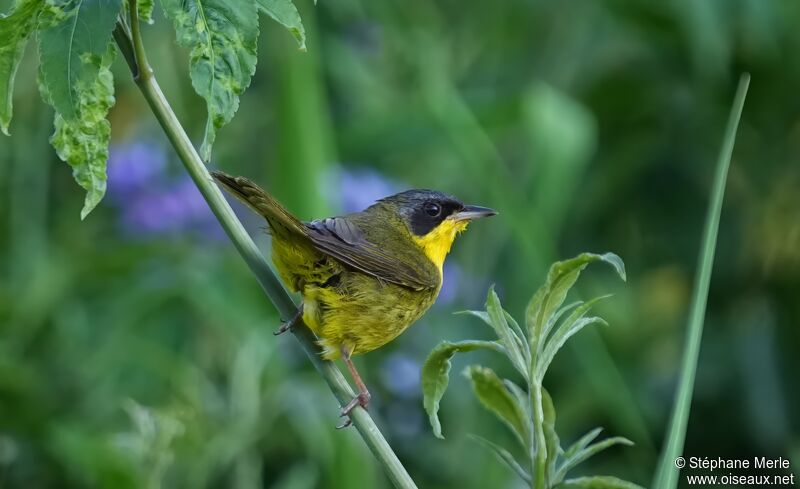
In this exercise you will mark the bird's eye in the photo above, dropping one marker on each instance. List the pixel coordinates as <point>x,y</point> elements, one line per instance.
<point>432,209</point>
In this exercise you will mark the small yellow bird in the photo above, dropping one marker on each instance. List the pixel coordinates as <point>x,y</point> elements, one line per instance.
<point>364,277</point>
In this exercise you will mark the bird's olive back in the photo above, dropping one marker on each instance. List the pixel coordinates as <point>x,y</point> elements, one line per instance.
<point>423,210</point>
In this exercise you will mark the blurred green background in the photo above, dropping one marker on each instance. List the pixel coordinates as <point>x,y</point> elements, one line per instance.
<point>136,348</point>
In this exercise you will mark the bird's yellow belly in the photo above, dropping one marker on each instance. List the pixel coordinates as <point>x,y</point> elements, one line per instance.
<point>361,313</point>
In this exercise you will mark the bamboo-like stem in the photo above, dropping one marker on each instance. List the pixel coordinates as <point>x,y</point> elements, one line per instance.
<point>667,473</point>
<point>133,51</point>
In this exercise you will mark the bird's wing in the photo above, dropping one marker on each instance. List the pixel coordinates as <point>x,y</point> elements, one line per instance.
<point>343,240</point>
<point>338,237</point>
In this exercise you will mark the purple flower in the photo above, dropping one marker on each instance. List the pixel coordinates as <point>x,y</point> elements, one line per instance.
<point>132,167</point>
<point>451,283</point>
<point>150,202</point>
<point>360,189</point>
<point>139,219</point>
<point>400,374</point>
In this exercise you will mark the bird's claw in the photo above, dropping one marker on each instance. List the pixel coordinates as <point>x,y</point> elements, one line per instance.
<point>287,325</point>
<point>362,399</point>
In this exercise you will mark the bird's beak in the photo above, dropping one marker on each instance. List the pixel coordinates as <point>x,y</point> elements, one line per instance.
<point>470,212</point>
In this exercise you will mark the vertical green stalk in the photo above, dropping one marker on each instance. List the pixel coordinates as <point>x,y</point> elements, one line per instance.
<point>667,475</point>
<point>134,54</point>
<point>27,198</point>
<point>305,148</point>
<point>539,462</point>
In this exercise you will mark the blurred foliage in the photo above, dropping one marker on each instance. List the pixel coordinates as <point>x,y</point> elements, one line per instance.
<point>136,349</point>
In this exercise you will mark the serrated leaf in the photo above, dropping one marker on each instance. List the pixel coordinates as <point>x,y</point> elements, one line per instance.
<point>584,454</point>
<point>15,29</point>
<point>494,396</point>
<point>82,141</point>
<point>509,339</point>
<point>78,33</point>
<point>551,437</point>
<point>569,327</point>
<point>145,10</point>
<point>560,279</point>
<point>598,482</point>
<point>222,36</point>
<point>504,456</point>
<point>285,13</point>
<point>436,375</point>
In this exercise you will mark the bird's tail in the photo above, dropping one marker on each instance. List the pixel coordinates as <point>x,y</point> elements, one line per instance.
<point>280,220</point>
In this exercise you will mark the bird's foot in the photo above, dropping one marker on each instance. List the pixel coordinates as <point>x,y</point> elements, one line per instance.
<point>287,325</point>
<point>362,399</point>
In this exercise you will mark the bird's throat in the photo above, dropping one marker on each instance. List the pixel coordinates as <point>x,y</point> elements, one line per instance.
<point>436,244</point>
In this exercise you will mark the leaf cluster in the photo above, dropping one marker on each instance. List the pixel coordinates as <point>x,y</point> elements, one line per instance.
<point>76,51</point>
<point>529,412</point>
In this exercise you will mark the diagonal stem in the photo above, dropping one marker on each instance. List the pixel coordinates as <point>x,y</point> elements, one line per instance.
<point>133,51</point>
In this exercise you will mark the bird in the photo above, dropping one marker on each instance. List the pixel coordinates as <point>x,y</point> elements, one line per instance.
<point>364,277</point>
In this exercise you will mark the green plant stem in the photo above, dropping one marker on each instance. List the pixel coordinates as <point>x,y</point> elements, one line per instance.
<point>667,474</point>
<point>539,462</point>
<point>255,260</point>
<point>142,67</point>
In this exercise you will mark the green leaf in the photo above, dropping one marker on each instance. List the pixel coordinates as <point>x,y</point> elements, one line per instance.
<point>285,13</point>
<point>504,456</point>
<point>82,141</point>
<point>493,394</point>
<point>435,375</point>
<point>582,443</point>
<point>76,36</point>
<point>520,335</point>
<point>584,454</point>
<point>548,299</point>
<point>222,36</point>
<point>509,339</point>
<point>551,437</point>
<point>555,317</point>
<point>523,400</point>
<point>667,474</point>
<point>515,337</point>
<point>521,395</point>
<point>569,327</point>
<point>145,10</point>
<point>598,482</point>
<point>15,29</point>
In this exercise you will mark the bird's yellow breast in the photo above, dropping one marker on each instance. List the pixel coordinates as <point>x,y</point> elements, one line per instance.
<point>362,314</point>
<point>437,243</point>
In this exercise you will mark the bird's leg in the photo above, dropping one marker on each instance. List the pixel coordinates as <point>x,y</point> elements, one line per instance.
<point>287,325</point>
<point>363,397</point>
